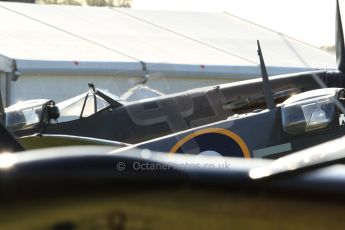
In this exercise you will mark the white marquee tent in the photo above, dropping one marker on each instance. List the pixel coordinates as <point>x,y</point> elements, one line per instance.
<point>52,51</point>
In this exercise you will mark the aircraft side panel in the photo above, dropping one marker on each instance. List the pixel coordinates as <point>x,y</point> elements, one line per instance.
<point>237,137</point>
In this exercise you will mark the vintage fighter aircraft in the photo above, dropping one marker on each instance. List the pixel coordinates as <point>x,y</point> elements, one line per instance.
<point>97,114</point>
<point>301,121</point>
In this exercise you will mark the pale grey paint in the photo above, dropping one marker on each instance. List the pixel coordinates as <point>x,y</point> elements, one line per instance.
<point>259,153</point>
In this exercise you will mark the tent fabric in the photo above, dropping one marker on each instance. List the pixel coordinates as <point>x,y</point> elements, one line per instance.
<point>57,38</point>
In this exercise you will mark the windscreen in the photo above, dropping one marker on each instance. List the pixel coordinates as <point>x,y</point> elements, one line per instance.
<point>72,109</point>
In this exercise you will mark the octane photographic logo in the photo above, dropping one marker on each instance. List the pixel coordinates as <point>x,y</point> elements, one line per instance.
<point>147,165</point>
<point>154,166</point>
<point>181,112</point>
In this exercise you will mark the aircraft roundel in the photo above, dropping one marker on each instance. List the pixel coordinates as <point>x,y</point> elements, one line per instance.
<point>218,140</point>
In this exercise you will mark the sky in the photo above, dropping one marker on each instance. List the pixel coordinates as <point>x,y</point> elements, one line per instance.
<point>311,21</point>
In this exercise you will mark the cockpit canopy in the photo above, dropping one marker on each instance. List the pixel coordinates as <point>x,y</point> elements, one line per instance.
<point>309,111</point>
<point>87,104</point>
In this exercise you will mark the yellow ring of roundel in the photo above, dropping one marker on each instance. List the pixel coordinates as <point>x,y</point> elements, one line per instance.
<point>225,132</point>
